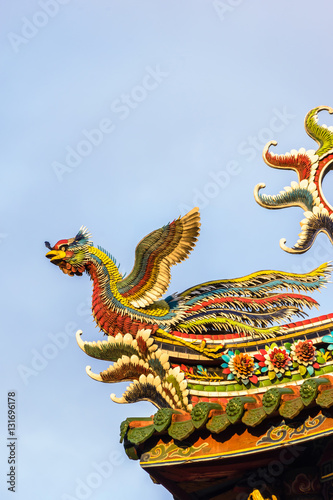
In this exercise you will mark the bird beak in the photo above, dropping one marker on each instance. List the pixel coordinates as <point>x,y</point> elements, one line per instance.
<point>56,256</point>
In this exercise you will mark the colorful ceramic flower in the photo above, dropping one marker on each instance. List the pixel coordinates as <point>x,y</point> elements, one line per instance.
<point>274,361</point>
<point>304,352</point>
<point>304,355</point>
<point>278,360</point>
<point>240,366</point>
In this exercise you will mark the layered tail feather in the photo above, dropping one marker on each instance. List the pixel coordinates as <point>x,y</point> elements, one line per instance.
<point>260,283</point>
<point>250,304</point>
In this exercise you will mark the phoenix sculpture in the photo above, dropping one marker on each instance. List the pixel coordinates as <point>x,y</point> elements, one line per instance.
<point>146,331</point>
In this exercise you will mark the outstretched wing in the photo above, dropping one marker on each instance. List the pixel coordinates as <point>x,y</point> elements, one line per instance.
<point>155,254</point>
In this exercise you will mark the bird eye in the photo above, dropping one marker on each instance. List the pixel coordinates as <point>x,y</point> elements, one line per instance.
<point>63,248</point>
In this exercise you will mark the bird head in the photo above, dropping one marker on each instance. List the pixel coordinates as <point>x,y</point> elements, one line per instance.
<point>71,255</point>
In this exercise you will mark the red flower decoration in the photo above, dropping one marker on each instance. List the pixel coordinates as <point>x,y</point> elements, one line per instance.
<point>278,359</point>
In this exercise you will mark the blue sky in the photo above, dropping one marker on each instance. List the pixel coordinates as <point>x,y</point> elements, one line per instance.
<point>120,116</point>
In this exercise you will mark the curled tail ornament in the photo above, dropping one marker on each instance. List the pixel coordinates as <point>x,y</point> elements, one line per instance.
<point>311,167</point>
